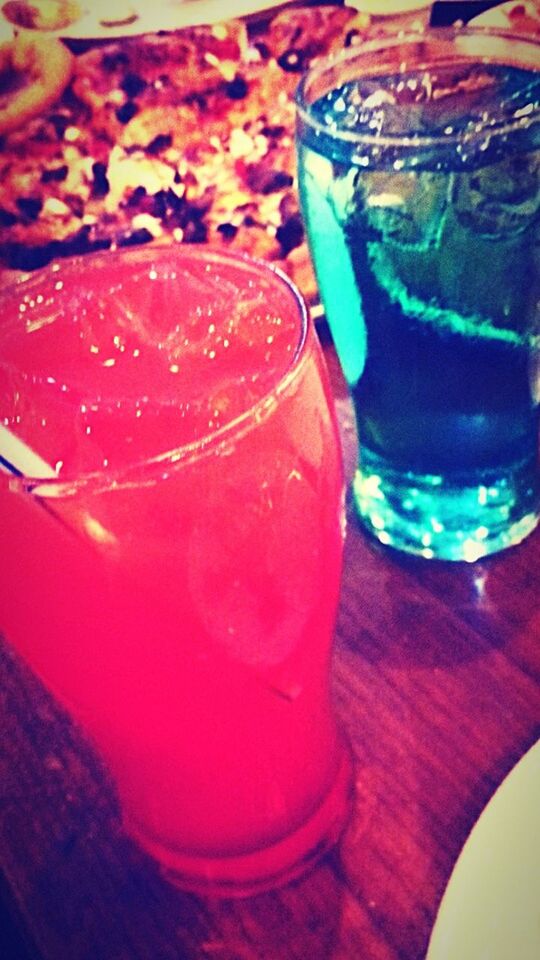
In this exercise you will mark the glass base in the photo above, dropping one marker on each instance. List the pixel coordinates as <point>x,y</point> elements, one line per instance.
<point>459,518</point>
<point>264,869</point>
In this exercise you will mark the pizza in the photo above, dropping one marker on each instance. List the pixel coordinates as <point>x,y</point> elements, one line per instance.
<point>518,18</point>
<point>184,137</point>
<point>524,18</point>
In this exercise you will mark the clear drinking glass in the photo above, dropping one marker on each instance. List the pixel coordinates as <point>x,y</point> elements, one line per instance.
<point>419,175</point>
<point>175,585</point>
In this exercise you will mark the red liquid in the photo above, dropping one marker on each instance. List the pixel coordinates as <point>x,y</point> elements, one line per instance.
<point>182,609</point>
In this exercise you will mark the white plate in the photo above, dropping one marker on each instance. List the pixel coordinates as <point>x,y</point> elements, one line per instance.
<point>491,906</point>
<point>499,17</point>
<point>390,8</point>
<point>151,16</point>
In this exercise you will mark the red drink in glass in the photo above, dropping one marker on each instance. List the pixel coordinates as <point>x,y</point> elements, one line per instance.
<point>176,585</point>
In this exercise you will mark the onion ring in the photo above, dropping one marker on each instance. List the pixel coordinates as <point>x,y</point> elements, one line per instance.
<point>41,14</point>
<point>34,71</point>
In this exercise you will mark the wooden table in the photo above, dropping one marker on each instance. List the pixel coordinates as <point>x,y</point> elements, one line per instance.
<point>436,681</point>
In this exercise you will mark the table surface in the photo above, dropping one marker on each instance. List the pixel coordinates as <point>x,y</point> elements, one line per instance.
<point>436,682</point>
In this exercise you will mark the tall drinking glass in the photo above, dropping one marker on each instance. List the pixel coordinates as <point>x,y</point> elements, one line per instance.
<point>419,173</point>
<point>175,585</point>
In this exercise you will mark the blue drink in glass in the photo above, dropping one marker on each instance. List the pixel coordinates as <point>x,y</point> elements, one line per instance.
<point>419,167</point>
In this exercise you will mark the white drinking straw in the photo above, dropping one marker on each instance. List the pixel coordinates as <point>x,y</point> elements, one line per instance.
<point>18,458</point>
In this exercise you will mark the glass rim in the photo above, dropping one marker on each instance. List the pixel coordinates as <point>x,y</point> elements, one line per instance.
<point>433,35</point>
<point>151,469</point>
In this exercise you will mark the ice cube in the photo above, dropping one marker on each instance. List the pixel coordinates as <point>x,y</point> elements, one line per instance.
<point>405,208</point>
<point>501,200</point>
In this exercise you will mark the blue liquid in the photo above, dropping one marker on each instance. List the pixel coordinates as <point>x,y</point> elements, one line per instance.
<point>428,267</point>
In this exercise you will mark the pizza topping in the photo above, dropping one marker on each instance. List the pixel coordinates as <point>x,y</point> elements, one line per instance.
<point>7,219</point>
<point>525,18</point>
<point>145,221</point>
<point>100,186</point>
<point>30,207</point>
<point>127,111</point>
<point>294,61</point>
<point>237,89</point>
<point>227,230</point>
<point>291,233</point>
<point>262,178</point>
<point>132,85</point>
<point>161,142</point>
<point>56,174</point>
<point>56,208</point>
